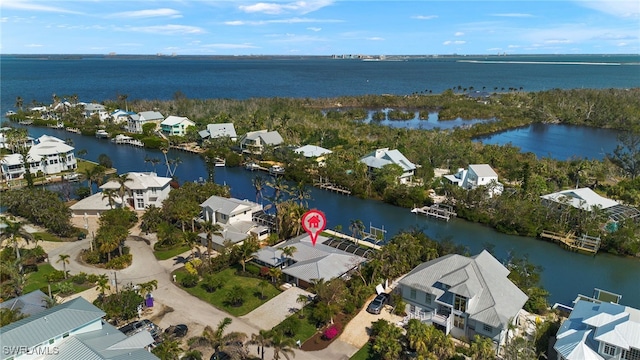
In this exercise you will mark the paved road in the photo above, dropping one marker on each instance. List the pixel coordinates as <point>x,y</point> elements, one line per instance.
<point>187,309</point>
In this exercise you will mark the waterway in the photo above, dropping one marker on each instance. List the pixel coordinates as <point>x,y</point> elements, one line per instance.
<point>565,274</point>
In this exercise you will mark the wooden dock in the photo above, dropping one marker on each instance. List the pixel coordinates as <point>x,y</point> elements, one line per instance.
<point>570,241</point>
<point>332,187</point>
<point>438,211</point>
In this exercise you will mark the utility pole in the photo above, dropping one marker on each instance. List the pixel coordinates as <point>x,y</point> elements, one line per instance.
<point>115,278</point>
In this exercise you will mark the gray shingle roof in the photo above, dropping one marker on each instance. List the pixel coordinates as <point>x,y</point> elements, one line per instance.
<point>482,278</point>
<point>381,157</point>
<point>267,137</point>
<point>220,130</point>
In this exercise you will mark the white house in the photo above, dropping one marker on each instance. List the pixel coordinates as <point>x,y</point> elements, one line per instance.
<point>72,330</point>
<point>134,123</point>
<point>176,125</point>
<point>588,200</point>
<point>49,155</point>
<point>215,131</point>
<point>235,216</point>
<point>599,331</point>
<point>309,261</point>
<point>142,190</point>
<point>477,175</point>
<point>464,296</point>
<point>121,116</point>
<point>91,109</point>
<point>382,157</point>
<point>254,142</point>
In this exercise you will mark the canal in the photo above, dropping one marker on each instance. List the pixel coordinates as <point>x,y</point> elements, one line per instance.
<point>565,274</point>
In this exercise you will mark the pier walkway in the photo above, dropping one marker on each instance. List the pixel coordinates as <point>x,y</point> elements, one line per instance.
<point>570,241</point>
<point>438,211</point>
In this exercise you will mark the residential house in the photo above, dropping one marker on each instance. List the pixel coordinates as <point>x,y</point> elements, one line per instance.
<point>382,157</point>
<point>236,218</point>
<point>29,141</point>
<point>176,125</point>
<point>27,304</point>
<point>216,131</point>
<point>72,330</point>
<point>477,175</point>
<point>313,152</point>
<point>463,296</point>
<point>598,331</point>
<point>588,200</point>
<point>142,190</point>
<point>49,155</point>
<point>254,142</point>
<point>134,123</point>
<point>121,116</point>
<point>309,262</point>
<point>91,109</point>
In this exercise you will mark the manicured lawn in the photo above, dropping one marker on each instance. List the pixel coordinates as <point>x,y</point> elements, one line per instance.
<point>38,280</point>
<point>218,297</point>
<point>306,328</point>
<point>43,236</point>
<point>168,254</point>
<point>363,354</point>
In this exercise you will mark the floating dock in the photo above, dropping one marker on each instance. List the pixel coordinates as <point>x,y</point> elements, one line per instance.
<point>584,243</point>
<point>438,211</point>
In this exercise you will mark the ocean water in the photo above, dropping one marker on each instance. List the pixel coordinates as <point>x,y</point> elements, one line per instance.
<point>96,78</point>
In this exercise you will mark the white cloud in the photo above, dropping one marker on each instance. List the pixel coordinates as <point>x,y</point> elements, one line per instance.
<point>25,5</point>
<point>557,41</point>
<point>375,38</point>
<point>622,44</point>
<point>515,15</point>
<point>618,8</point>
<point>425,17</point>
<point>459,33</point>
<point>167,29</point>
<point>316,29</point>
<point>33,45</point>
<point>295,20</point>
<point>230,46</point>
<point>300,7</point>
<point>4,19</point>
<point>164,12</point>
<point>457,42</point>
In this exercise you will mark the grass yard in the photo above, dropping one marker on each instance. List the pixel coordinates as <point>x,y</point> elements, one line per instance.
<point>44,236</point>
<point>218,297</point>
<point>306,327</point>
<point>38,280</point>
<point>168,254</point>
<point>363,354</point>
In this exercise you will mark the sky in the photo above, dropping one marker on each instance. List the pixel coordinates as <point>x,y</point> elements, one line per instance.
<point>319,27</point>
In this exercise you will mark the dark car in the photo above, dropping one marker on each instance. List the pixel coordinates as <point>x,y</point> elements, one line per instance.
<point>137,326</point>
<point>176,331</point>
<point>377,304</point>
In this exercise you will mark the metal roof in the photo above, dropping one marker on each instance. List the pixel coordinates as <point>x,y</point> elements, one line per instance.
<point>28,304</point>
<point>381,157</point>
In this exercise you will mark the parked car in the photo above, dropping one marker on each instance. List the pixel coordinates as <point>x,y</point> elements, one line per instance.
<point>378,303</point>
<point>176,331</point>
<point>137,326</point>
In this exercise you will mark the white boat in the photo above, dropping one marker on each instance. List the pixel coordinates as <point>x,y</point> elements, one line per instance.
<point>9,113</point>
<point>101,134</point>
<point>220,162</point>
<point>71,177</point>
<point>276,170</point>
<point>251,166</point>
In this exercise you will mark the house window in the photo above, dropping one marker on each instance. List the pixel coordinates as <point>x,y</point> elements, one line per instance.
<point>51,341</point>
<point>487,328</point>
<point>412,309</point>
<point>139,192</point>
<point>428,298</point>
<point>609,350</point>
<point>412,294</point>
<point>140,204</point>
<point>458,321</point>
<point>154,191</point>
<point>460,303</point>
<point>65,335</point>
<point>631,354</point>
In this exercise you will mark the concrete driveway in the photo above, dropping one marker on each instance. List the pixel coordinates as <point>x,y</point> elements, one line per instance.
<point>274,311</point>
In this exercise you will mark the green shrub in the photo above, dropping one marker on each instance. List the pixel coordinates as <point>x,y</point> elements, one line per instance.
<point>211,283</point>
<point>55,276</point>
<point>92,278</point>
<point>120,262</point>
<point>190,280</point>
<point>253,269</point>
<point>80,278</point>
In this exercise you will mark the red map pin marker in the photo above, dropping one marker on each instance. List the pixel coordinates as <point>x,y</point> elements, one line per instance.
<point>313,222</point>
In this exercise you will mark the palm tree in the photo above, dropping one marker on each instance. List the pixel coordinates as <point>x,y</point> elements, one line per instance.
<point>190,239</point>
<point>258,184</point>
<point>102,285</point>
<point>302,299</point>
<point>110,194</point>
<point>275,274</point>
<point>14,232</point>
<point>64,259</point>
<point>262,339</point>
<point>7,316</point>
<point>282,345</point>
<point>302,193</point>
<point>357,228</point>
<point>246,251</point>
<point>262,286</point>
<point>288,252</point>
<point>211,229</point>
<point>88,174</point>
<point>19,102</point>
<point>231,343</point>
<point>122,181</point>
<point>148,287</point>
<point>168,349</point>
<point>82,152</point>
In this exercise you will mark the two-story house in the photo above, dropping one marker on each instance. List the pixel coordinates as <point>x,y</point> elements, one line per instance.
<point>254,142</point>
<point>477,175</point>
<point>72,330</point>
<point>235,217</point>
<point>463,296</point>
<point>142,189</point>
<point>599,331</point>
<point>382,157</point>
<point>176,125</point>
<point>49,155</point>
<point>135,122</point>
